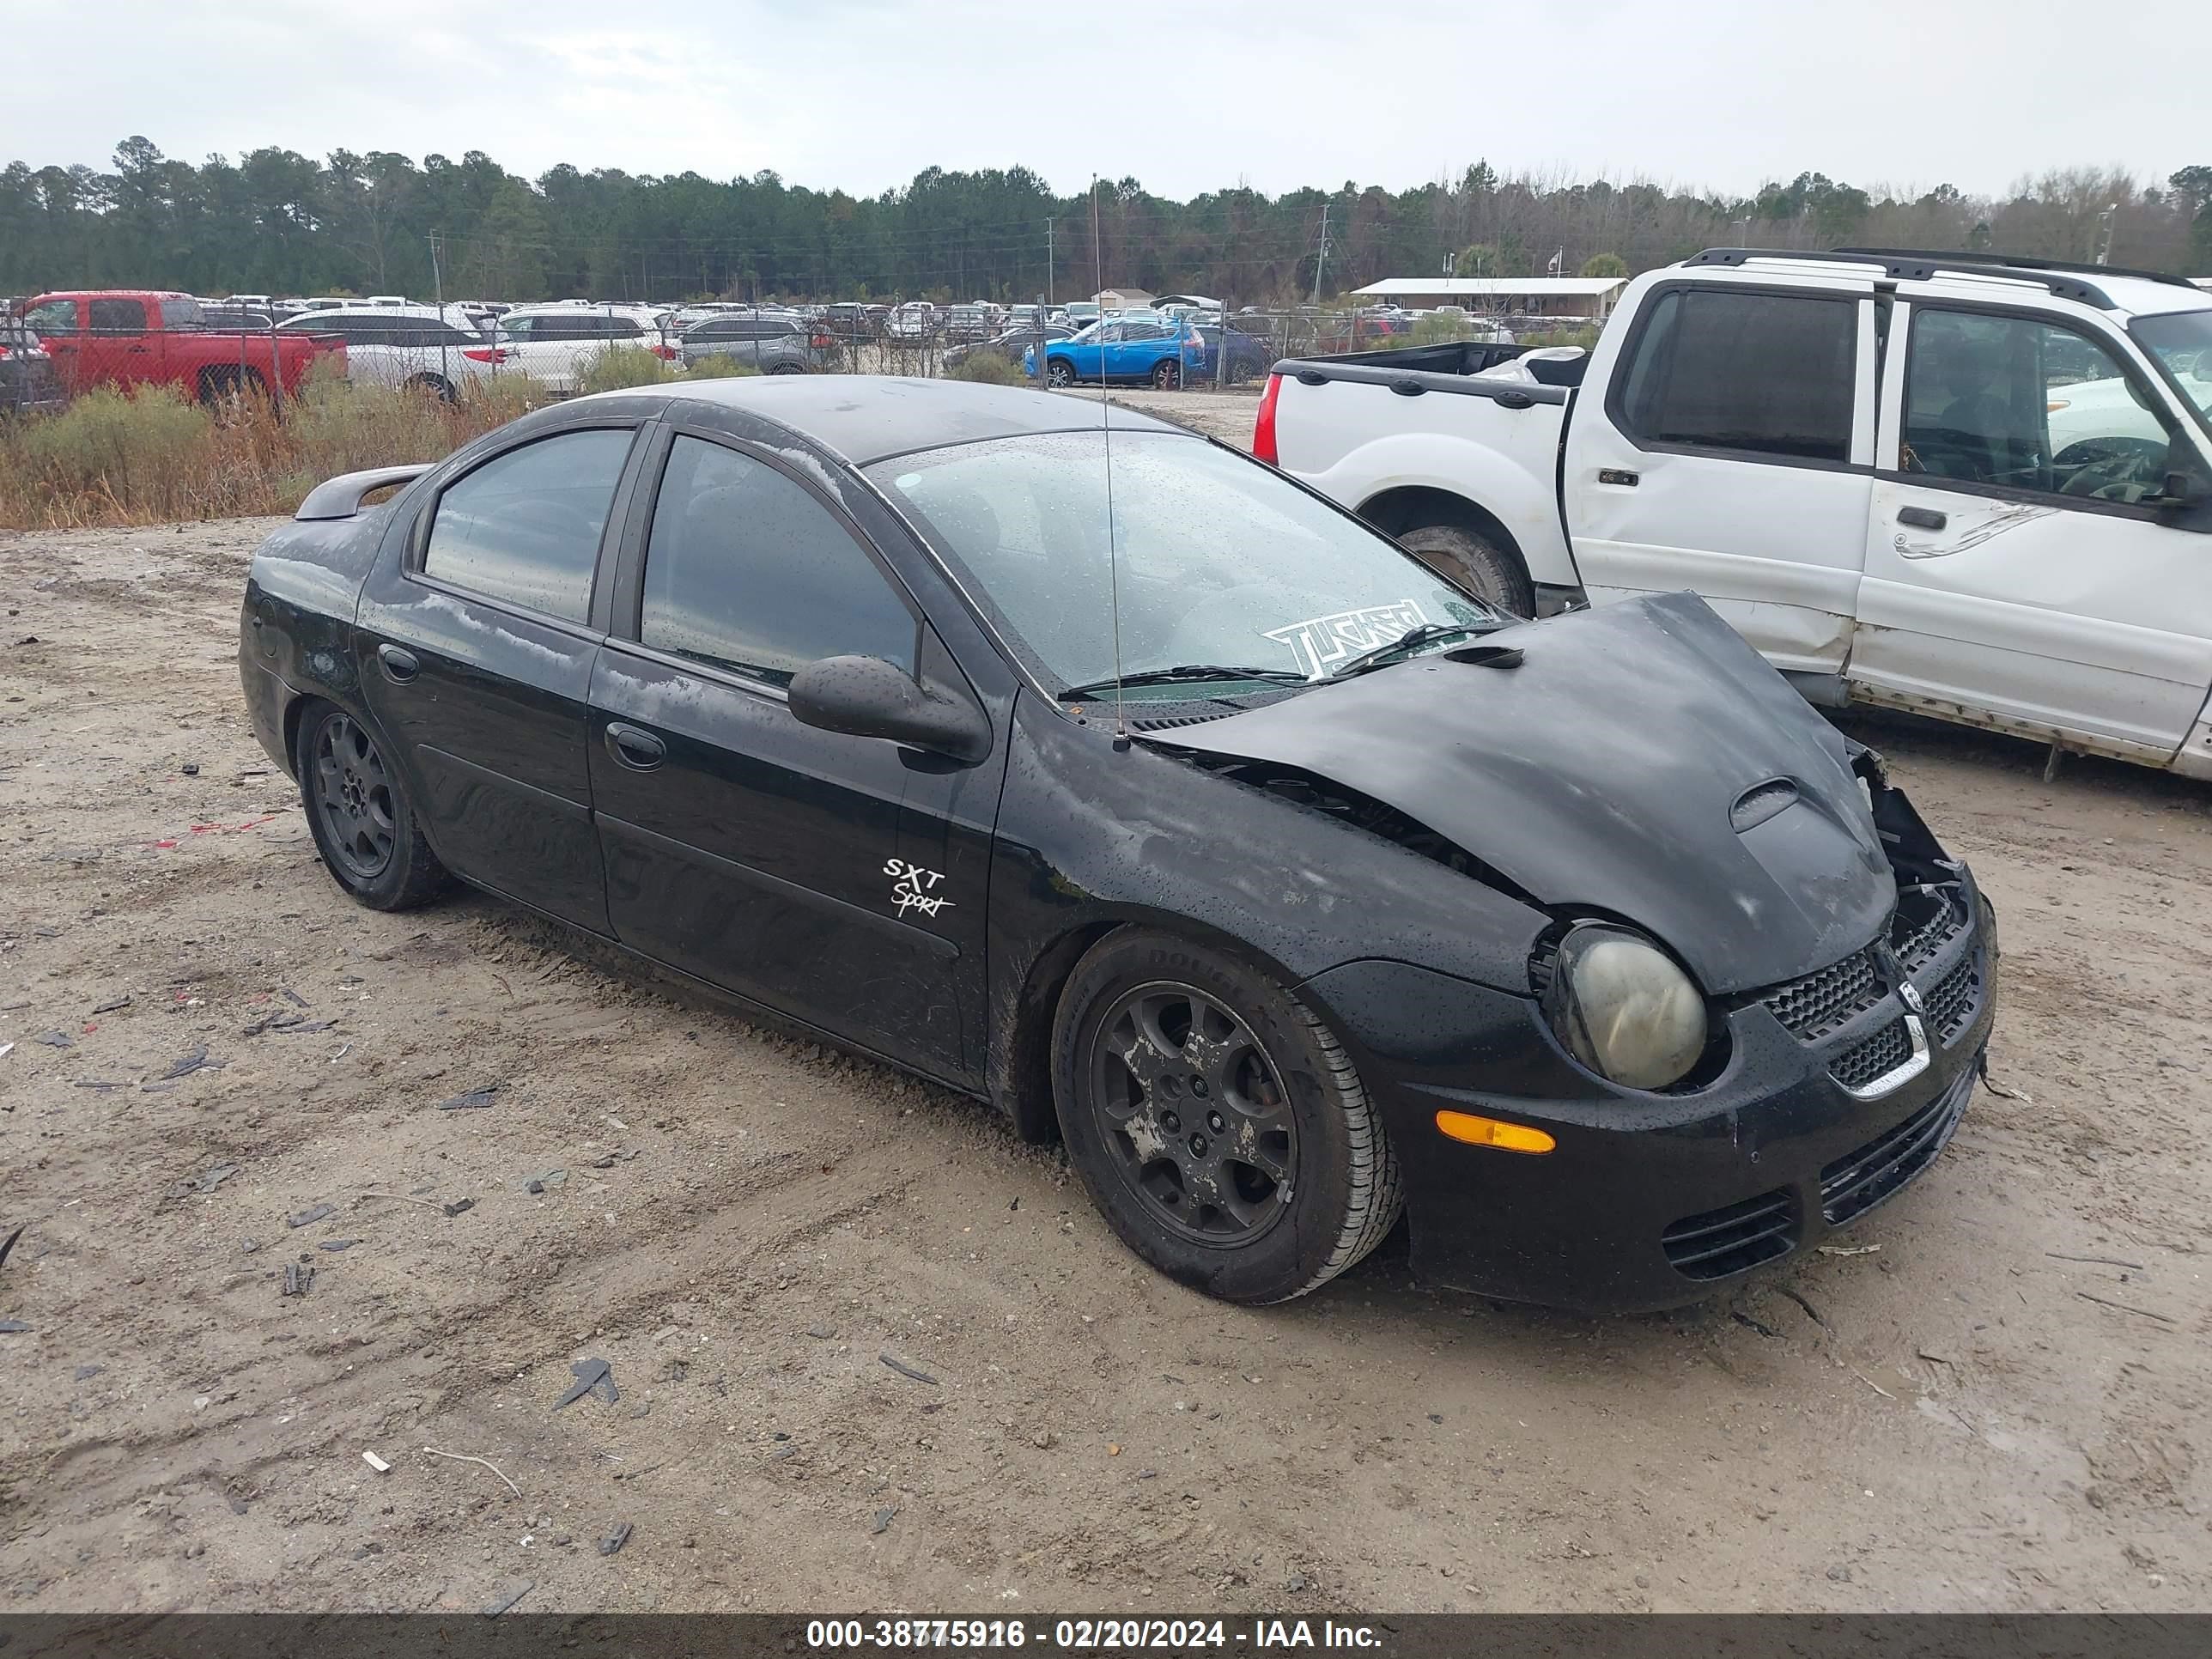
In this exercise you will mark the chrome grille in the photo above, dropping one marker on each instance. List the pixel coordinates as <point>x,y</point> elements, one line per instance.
<point>1882,1053</point>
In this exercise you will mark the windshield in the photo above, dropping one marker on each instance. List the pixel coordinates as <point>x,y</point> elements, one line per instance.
<point>2181,343</point>
<point>1220,561</point>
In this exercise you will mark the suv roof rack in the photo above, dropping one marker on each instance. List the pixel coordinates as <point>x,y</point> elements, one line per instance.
<point>1918,264</point>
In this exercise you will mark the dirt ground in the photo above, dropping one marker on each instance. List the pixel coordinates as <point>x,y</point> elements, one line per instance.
<point>2001,1404</point>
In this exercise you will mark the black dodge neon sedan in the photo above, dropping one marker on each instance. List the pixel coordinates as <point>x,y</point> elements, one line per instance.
<point>1583,942</point>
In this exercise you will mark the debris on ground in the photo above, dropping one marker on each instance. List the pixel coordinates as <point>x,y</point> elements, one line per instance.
<point>508,1597</point>
<point>376,1463</point>
<point>615,1538</point>
<point>9,1244</point>
<point>905,1370</point>
<point>338,1244</point>
<point>459,1206</point>
<point>112,1003</point>
<point>590,1374</point>
<point>206,1181</point>
<point>196,1060</point>
<point>546,1180</point>
<point>1850,1249</point>
<point>307,1218</point>
<point>470,1457</point>
<point>298,1279</point>
<point>10,1326</point>
<point>883,1519</point>
<point>86,1373</point>
<point>473,1098</point>
<point>54,1039</point>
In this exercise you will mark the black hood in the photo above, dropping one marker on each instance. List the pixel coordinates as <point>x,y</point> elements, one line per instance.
<point>1619,768</point>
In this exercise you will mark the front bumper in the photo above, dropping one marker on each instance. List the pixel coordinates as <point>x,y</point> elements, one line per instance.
<point>1651,1201</point>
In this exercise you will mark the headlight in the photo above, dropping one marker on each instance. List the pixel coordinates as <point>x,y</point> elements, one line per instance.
<point>1624,1008</point>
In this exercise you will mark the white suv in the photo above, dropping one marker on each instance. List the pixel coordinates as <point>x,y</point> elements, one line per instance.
<point>404,345</point>
<point>556,344</point>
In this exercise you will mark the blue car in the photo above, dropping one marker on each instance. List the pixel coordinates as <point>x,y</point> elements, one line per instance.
<point>1123,349</point>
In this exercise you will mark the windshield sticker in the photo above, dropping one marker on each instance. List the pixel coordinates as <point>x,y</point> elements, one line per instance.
<point>910,887</point>
<point>1321,644</point>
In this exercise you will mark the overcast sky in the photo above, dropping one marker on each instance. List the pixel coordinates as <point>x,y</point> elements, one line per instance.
<point>862,94</point>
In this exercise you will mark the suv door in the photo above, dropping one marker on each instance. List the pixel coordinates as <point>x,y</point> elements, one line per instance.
<point>474,643</point>
<point>838,879</point>
<point>2013,570</point>
<point>1725,449</point>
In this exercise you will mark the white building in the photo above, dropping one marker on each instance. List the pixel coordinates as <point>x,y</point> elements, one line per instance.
<point>1587,298</point>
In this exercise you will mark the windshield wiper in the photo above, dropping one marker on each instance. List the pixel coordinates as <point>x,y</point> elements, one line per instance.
<point>1419,635</point>
<point>1188,673</point>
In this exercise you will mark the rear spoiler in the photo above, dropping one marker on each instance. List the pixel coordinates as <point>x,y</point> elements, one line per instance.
<point>340,498</point>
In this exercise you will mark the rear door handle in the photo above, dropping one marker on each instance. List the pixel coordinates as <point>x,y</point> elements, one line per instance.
<point>635,747</point>
<point>1614,475</point>
<point>1922,518</point>
<point>400,665</point>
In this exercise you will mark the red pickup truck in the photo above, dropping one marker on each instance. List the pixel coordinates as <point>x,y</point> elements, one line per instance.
<point>124,337</point>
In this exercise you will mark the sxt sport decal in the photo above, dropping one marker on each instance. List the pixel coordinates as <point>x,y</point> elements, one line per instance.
<point>910,885</point>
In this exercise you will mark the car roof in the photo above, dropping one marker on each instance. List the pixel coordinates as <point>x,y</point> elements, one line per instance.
<point>863,418</point>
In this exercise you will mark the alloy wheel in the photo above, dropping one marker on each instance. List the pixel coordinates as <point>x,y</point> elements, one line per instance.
<point>353,798</point>
<point>1195,1112</point>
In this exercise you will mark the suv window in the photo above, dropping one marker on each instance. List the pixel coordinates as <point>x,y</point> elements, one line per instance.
<point>2027,404</point>
<point>119,316</point>
<point>746,570</point>
<point>525,528</point>
<point>1772,373</point>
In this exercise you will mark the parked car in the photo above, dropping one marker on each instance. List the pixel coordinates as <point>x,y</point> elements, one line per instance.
<point>28,384</point>
<point>556,344</point>
<point>1249,358</point>
<point>915,320</point>
<point>774,343</point>
<point>140,336</point>
<point>1122,350</point>
<point>223,315</point>
<point>1974,531</point>
<point>1009,345</point>
<point>1300,886</point>
<point>967,324</point>
<point>412,347</point>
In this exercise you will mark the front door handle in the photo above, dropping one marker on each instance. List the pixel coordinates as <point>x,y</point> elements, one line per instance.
<point>400,665</point>
<point>635,747</point>
<point>1616,475</point>
<point>1922,518</point>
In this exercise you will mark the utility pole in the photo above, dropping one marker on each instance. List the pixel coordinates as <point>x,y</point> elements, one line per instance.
<point>438,291</point>
<point>1322,259</point>
<point>1048,261</point>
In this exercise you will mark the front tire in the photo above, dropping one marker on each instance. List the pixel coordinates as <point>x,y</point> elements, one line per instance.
<point>1470,561</point>
<point>1058,372</point>
<point>364,826</point>
<point>1218,1125</point>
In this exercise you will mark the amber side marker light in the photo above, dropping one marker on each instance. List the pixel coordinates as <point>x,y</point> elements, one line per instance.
<point>1490,1132</point>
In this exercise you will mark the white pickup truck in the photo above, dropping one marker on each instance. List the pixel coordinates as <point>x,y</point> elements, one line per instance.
<point>1976,487</point>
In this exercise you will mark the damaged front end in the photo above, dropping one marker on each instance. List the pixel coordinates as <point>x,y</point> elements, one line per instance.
<point>1841,960</point>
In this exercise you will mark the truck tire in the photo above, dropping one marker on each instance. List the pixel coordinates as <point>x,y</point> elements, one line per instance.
<point>1472,561</point>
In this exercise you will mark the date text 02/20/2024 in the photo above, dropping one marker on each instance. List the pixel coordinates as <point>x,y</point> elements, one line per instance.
<point>1082,1635</point>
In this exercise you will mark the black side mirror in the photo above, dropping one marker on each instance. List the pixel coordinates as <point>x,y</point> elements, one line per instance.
<point>868,697</point>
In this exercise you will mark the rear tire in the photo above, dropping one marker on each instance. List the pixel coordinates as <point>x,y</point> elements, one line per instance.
<point>1168,376</point>
<point>364,826</point>
<point>1218,1124</point>
<point>1471,561</point>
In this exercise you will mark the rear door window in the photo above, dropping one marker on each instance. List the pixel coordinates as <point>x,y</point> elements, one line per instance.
<point>746,570</point>
<point>1761,373</point>
<point>525,528</point>
<point>113,316</point>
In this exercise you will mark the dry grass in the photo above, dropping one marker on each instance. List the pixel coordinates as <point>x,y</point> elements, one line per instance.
<point>147,455</point>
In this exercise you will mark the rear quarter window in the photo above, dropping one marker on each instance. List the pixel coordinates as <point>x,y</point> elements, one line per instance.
<point>1762,373</point>
<point>525,528</point>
